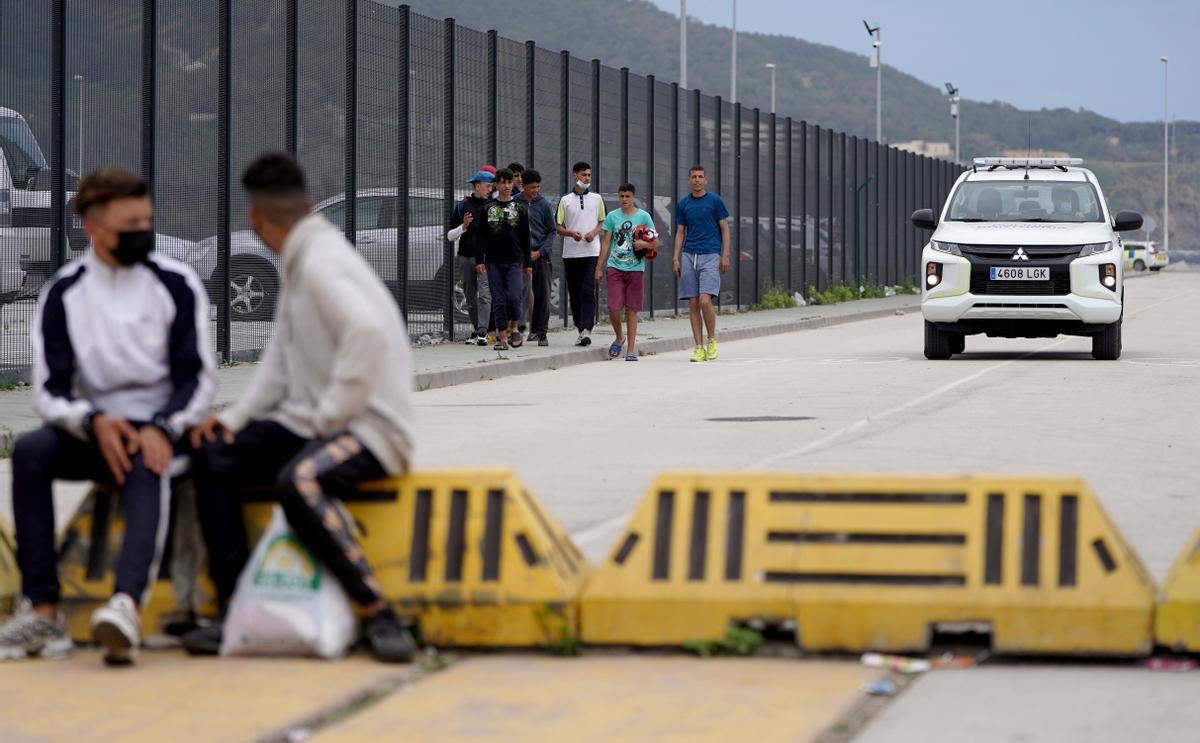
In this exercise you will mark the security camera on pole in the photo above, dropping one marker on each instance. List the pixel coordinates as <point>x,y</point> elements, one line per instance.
<point>954,98</point>
<point>875,63</point>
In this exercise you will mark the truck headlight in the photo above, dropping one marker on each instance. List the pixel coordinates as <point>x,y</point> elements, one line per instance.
<point>1095,248</point>
<point>942,247</point>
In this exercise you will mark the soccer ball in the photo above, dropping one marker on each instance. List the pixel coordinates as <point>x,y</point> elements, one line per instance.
<point>645,234</point>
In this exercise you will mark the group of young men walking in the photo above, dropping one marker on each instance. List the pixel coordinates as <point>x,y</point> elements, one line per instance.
<point>505,231</point>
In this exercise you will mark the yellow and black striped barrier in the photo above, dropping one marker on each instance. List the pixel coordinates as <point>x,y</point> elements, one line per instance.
<point>847,562</point>
<point>10,578</point>
<point>1177,621</point>
<point>855,563</point>
<point>469,553</point>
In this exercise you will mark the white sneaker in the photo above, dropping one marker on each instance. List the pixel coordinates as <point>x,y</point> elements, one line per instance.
<point>585,337</point>
<point>28,633</point>
<point>117,629</point>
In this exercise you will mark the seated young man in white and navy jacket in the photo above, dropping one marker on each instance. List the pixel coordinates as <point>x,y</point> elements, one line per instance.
<point>122,370</point>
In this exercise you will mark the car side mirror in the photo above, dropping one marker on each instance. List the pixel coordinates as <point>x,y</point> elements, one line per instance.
<point>1127,221</point>
<point>923,219</point>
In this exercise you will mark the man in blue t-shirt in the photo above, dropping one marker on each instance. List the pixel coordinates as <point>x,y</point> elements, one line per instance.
<point>702,237</point>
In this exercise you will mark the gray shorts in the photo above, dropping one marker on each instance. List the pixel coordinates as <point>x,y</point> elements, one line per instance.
<point>700,274</point>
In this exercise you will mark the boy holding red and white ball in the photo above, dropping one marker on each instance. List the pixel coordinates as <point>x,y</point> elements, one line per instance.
<point>627,241</point>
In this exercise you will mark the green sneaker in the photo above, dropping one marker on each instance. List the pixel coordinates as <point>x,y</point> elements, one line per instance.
<point>711,350</point>
<point>699,355</point>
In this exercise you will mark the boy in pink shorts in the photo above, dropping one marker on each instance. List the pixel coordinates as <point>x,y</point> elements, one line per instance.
<point>623,252</point>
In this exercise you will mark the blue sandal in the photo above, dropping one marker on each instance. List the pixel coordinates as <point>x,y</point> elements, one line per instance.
<point>614,349</point>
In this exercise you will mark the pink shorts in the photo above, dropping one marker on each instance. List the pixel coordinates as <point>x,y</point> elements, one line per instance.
<point>624,289</point>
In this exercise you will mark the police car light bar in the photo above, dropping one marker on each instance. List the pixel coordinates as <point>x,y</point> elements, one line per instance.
<point>1026,162</point>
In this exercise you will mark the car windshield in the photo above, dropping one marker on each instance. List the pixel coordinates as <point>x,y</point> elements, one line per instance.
<point>1025,201</point>
<point>20,149</point>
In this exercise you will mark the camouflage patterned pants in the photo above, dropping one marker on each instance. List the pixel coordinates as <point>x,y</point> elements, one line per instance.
<point>310,475</point>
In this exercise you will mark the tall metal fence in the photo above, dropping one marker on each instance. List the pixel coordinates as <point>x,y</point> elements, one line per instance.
<point>390,112</point>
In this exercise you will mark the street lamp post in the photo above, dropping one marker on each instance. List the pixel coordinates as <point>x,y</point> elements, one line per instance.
<point>683,43</point>
<point>1166,160</point>
<point>878,65</point>
<point>79,151</point>
<point>733,60</point>
<point>771,67</point>
<point>954,99</point>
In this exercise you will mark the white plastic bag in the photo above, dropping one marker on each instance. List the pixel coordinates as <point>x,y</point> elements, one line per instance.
<point>286,602</point>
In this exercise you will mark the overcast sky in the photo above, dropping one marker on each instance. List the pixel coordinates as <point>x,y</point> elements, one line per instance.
<point>1097,54</point>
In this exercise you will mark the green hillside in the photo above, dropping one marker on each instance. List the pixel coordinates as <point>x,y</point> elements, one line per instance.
<point>835,88</point>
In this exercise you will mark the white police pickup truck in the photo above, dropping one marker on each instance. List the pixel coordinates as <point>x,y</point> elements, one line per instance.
<point>1023,248</point>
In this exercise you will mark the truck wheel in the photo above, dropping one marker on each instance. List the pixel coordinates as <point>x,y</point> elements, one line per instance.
<point>1139,265</point>
<point>958,342</point>
<point>1106,345</point>
<point>937,343</point>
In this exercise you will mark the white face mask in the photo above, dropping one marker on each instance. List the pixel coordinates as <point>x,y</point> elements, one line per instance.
<point>582,186</point>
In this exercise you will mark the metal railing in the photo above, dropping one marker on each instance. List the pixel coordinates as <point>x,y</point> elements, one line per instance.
<point>390,112</point>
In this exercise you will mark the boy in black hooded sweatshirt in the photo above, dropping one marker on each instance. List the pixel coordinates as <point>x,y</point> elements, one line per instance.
<point>505,252</point>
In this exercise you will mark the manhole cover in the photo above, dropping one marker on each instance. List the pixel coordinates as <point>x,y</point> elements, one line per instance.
<point>760,418</point>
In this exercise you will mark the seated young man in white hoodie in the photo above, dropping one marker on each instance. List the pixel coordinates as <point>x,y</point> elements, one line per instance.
<point>330,406</point>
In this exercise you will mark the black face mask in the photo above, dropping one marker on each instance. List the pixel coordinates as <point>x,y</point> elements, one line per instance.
<point>133,246</point>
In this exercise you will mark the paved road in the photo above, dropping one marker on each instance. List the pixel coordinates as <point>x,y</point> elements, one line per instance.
<point>589,439</point>
<point>592,437</point>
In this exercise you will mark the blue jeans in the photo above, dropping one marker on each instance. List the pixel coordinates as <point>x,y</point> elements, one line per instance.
<point>508,292</point>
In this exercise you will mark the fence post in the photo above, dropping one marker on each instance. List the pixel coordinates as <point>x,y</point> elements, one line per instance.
<point>832,206</point>
<point>787,156</point>
<point>149,49</point>
<point>736,250</point>
<point>844,146</point>
<point>804,208</point>
<point>756,169</point>
<point>403,95</point>
<point>530,90</point>
<point>697,130</point>
<point>291,93</point>
<point>718,137</point>
<point>893,210</point>
<point>877,275</point>
<point>58,131</point>
<point>596,138</point>
<point>564,149</point>
<point>351,164</point>
<point>448,170</point>
<point>774,196</point>
<point>852,188</point>
<point>224,112</point>
<point>650,173</point>
<point>625,130</point>
<point>492,97</point>
<point>817,207</point>
<point>675,176</point>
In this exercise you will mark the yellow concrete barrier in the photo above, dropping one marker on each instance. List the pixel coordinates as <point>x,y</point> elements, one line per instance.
<point>469,553</point>
<point>1177,621</point>
<point>873,562</point>
<point>10,578</point>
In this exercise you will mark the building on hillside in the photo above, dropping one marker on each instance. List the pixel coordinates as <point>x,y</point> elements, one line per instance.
<point>928,149</point>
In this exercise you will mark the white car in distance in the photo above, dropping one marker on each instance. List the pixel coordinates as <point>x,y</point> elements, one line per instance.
<point>1023,248</point>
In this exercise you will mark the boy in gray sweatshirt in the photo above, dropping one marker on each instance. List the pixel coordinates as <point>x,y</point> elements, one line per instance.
<point>329,407</point>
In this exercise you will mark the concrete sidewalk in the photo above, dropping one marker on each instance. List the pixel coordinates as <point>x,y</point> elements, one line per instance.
<point>447,364</point>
